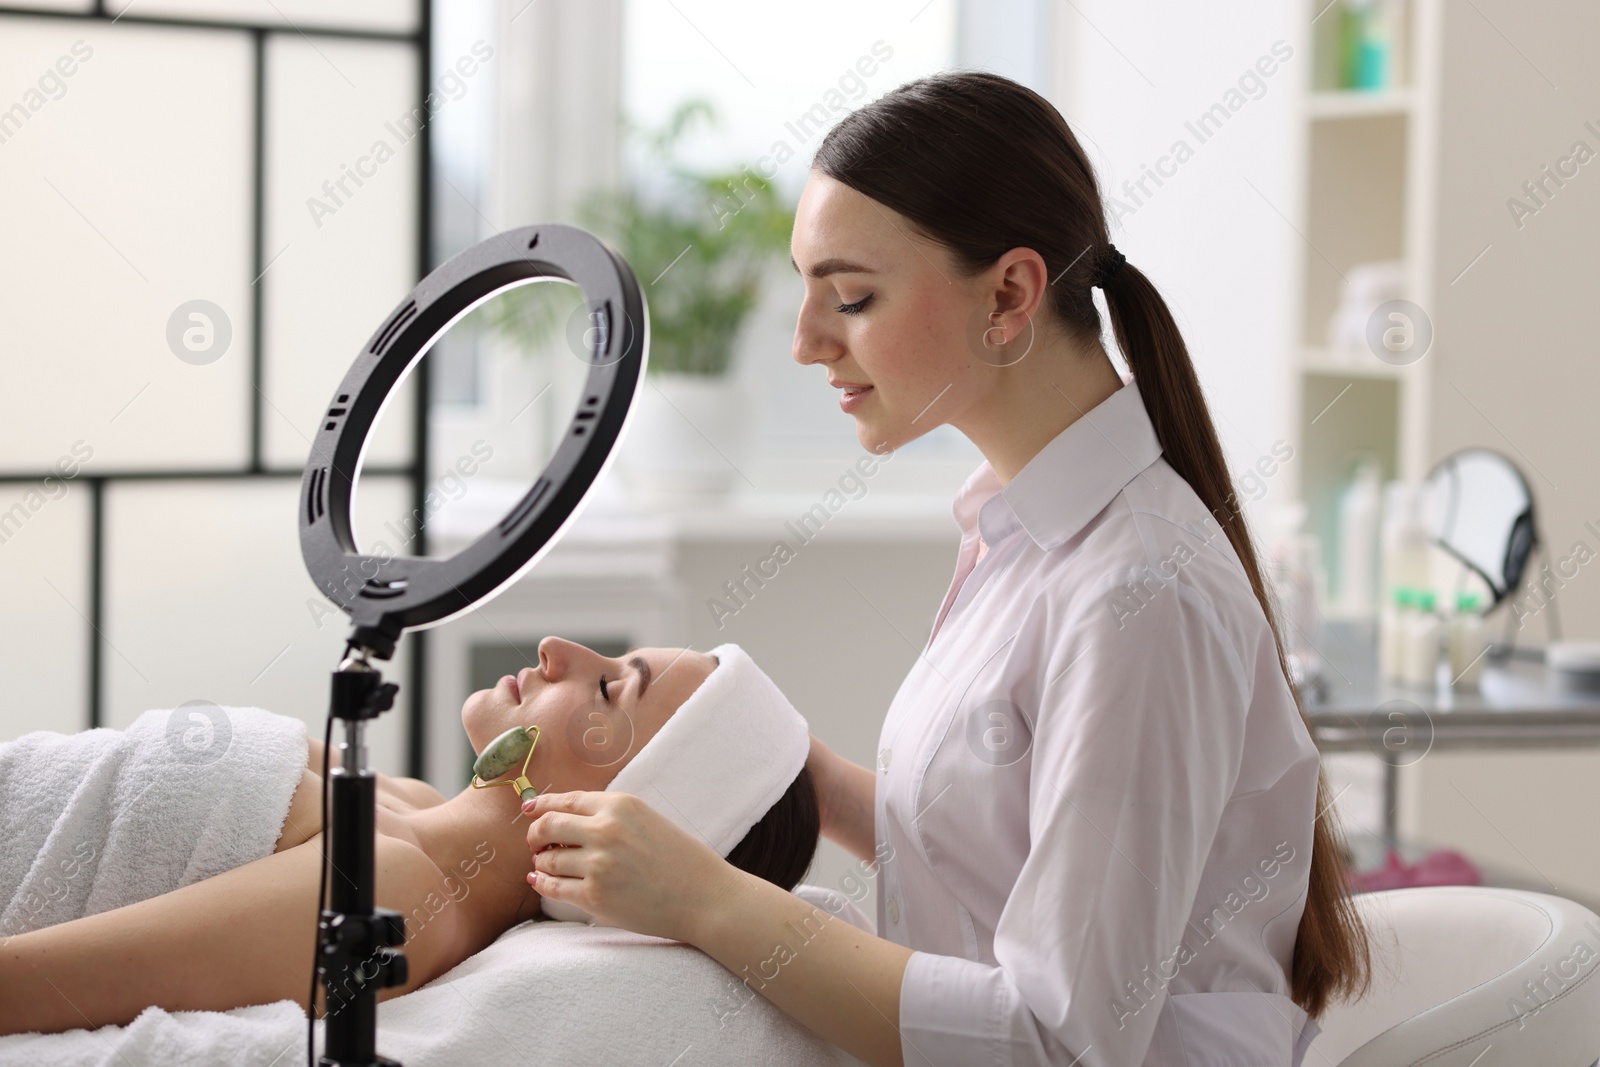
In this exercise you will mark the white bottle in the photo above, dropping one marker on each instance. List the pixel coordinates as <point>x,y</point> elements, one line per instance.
<point>1393,622</point>
<point>1422,643</point>
<point>1406,538</point>
<point>1467,643</point>
<point>1360,512</point>
<point>1292,567</point>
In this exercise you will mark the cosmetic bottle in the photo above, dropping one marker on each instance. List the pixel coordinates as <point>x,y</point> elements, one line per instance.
<point>1392,622</point>
<point>1406,539</point>
<point>1467,643</point>
<point>1360,516</point>
<point>1366,44</point>
<point>1422,646</point>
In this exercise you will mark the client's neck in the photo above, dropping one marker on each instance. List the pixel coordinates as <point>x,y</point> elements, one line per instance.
<point>479,839</point>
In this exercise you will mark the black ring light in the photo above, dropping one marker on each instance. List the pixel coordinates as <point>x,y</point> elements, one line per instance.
<point>385,596</point>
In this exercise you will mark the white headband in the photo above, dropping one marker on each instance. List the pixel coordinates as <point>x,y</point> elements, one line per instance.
<point>720,762</point>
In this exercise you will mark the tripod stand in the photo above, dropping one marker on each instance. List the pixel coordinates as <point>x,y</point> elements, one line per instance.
<point>358,949</point>
<point>358,945</point>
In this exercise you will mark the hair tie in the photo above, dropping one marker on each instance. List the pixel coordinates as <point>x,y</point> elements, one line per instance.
<point>1109,264</point>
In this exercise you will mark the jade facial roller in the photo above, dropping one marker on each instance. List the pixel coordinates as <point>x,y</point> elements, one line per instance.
<point>502,754</point>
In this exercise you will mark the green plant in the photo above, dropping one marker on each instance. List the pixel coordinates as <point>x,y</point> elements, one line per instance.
<point>698,255</point>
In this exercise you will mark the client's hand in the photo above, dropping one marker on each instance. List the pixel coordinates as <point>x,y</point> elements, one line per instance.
<point>624,863</point>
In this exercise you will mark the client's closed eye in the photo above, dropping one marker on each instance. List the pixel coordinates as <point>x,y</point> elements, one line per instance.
<point>641,667</point>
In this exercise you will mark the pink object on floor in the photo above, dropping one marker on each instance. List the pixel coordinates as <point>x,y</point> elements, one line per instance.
<point>1444,866</point>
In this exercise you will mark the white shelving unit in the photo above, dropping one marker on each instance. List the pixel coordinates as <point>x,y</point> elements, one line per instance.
<point>1366,166</point>
<point>1356,103</point>
<point>1491,96</point>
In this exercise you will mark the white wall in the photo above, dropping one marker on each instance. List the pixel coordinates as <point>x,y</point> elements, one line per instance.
<point>1211,237</point>
<point>1515,369</point>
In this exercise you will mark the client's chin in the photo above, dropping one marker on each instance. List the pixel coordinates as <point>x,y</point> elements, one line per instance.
<point>478,718</point>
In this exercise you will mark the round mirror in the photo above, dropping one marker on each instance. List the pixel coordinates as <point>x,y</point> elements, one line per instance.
<point>1480,510</point>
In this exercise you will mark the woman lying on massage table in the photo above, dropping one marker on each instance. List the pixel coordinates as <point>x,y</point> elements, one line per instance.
<point>247,936</point>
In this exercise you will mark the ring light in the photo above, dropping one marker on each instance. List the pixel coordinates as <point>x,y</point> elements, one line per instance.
<point>384,595</point>
<point>387,595</point>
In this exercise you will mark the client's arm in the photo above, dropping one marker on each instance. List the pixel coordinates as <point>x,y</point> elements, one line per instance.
<point>246,936</point>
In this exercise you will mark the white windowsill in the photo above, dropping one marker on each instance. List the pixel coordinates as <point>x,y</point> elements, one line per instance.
<point>611,518</point>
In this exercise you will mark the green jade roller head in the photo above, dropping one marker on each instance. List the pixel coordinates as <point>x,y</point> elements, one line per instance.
<point>501,755</point>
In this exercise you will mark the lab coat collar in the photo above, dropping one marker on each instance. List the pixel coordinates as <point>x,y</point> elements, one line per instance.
<point>1069,481</point>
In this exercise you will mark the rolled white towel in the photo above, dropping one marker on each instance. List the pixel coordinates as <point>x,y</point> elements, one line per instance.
<point>104,818</point>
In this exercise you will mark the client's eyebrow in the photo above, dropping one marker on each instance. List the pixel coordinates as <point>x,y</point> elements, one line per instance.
<point>834,265</point>
<point>640,664</point>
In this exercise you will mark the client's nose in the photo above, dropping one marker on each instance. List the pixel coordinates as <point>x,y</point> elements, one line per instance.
<point>547,659</point>
<point>558,655</point>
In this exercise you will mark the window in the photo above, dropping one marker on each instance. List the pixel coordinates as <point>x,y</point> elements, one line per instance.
<point>779,76</point>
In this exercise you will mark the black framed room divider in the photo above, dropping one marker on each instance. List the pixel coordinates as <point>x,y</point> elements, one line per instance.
<point>388,39</point>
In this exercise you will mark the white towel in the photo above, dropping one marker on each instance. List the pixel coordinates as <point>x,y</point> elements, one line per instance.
<point>104,818</point>
<point>545,994</point>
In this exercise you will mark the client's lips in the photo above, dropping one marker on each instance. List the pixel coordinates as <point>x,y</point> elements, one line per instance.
<point>516,690</point>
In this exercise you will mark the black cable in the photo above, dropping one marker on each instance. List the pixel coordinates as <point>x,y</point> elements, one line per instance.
<point>322,895</point>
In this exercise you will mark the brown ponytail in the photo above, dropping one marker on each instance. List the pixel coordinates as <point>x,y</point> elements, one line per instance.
<point>1330,951</point>
<point>980,165</point>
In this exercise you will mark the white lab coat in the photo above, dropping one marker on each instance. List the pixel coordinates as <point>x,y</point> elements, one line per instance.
<point>1095,795</point>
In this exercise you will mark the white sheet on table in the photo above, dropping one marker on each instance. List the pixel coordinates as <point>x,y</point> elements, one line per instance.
<point>545,993</point>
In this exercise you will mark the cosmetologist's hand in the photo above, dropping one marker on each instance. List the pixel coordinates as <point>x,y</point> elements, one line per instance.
<point>624,863</point>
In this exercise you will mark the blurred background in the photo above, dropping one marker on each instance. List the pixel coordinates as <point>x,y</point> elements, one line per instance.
<point>1375,222</point>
